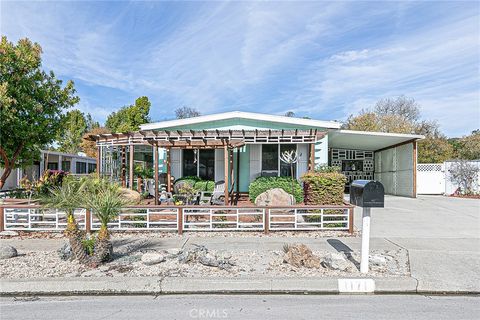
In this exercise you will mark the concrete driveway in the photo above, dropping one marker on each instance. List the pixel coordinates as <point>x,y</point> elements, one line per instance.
<point>441,234</point>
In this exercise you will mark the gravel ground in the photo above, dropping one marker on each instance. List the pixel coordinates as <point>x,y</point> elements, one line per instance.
<point>163,234</point>
<point>246,263</point>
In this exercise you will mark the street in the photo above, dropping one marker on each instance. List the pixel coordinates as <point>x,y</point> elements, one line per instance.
<point>241,307</point>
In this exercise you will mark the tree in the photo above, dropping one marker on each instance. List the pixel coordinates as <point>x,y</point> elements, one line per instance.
<point>90,147</point>
<point>129,118</point>
<point>72,128</point>
<point>32,102</point>
<point>464,174</point>
<point>468,147</point>
<point>402,115</point>
<point>91,124</point>
<point>186,112</point>
<point>290,114</point>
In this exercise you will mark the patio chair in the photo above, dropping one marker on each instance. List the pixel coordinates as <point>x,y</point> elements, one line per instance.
<point>217,197</point>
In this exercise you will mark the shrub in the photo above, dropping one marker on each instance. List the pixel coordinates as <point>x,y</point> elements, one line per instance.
<point>262,184</point>
<point>204,185</point>
<point>323,188</point>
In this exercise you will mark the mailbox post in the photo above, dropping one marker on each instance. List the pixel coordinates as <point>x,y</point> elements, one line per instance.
<point>366,194</point>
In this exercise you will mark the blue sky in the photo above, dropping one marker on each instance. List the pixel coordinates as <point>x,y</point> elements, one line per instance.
<point>324,60</point>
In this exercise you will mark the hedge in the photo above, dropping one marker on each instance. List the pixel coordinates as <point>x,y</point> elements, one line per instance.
<point>323,188</point>
<point>262,184</point>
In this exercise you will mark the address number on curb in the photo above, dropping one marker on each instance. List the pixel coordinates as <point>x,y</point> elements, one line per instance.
<point>356,285</point>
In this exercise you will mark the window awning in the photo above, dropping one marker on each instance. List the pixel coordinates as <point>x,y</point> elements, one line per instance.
<point>371,141</point>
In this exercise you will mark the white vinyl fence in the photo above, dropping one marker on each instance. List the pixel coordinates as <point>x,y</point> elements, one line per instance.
<point>188,218</point>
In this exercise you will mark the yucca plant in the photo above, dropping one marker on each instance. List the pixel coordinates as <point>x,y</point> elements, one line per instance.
<point>106,200</point>
<point>68,197</point>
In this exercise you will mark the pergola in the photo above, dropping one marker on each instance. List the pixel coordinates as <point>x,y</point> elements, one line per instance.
<point>227,140</point>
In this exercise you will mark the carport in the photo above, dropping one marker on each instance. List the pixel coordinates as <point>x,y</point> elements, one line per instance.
<point>390,158</point>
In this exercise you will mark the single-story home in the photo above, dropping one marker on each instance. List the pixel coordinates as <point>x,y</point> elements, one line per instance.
<point>76,164</point>
<point>240,146</point>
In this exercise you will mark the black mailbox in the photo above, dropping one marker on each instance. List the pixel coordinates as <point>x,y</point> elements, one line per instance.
<point>367,194</point>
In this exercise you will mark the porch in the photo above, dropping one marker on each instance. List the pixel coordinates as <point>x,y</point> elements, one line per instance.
<point>235,156</point>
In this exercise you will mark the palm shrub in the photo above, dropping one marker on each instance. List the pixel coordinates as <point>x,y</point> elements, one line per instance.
<point>68,197</point>
<point>106,200</point>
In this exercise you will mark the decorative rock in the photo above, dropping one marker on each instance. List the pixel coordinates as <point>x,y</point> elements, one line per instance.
<point>7,251</point>
<point>275,197</point>
<point>223,255</point>
<point>65,252</point>
<point>174,252</point>
<point>336,261</point>
<point>151,258</point>
<point>299,255</point>
<point>9,233</point>
<point>378,260</point>
<point>133,196</point>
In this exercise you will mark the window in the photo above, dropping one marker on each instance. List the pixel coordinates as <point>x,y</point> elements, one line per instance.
<point>271,163</point>
<point>91,167</point>
<point>189,163</point>
<point>270,157</point>
<point>286,168</point>
<point>66,165</point>
<point>81,168</point>
<point>52,166</point>
<point>206,164</point>
<point>199,163</point>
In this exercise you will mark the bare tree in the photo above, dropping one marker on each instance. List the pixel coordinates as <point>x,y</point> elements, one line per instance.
<point>464,174</point>
<point>402,106</point>
<point>186,112</point>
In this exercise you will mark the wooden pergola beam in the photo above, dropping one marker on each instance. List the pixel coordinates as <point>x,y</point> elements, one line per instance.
<point>225,160</point>
<point>130,171</point>
<point>155,165</point>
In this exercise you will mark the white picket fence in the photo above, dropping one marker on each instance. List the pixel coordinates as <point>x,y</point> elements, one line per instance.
<point>198,218</point>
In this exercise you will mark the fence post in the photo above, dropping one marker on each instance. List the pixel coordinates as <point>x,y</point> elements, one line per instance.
<point>88,221</point>
<point>266,222</point>
<point>350,220</point>
<point>2,219</point>
<point>180,221</point>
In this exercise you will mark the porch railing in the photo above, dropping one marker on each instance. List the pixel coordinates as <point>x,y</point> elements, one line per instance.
<point>185,218</point>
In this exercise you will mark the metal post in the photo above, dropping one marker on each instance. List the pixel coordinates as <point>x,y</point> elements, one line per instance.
<point>365,240</point>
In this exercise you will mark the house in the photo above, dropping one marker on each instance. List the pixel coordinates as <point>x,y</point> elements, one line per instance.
<point>241,146</point>
<point>73,163</point>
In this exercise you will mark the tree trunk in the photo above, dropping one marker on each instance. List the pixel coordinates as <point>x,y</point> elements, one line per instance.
<point>103,247</point>
<point>8,164</point>
<point>75,237</point>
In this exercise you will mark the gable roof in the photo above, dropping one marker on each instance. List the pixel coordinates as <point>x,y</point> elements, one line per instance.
<point>241,115</point>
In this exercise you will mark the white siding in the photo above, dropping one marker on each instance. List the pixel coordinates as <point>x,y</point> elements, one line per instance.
<point>219,165</point>
<point>255,161</point>
<point>394,169</point>
<point>302,165</point>
<point>176,162</point>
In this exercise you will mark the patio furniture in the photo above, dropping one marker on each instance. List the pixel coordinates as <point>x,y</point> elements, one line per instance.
<point>217,197</point>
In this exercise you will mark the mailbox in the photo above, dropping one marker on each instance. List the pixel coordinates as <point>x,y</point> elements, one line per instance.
<point>367,194</point>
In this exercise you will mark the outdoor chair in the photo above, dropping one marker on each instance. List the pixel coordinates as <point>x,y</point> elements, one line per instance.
<point>217,197</point>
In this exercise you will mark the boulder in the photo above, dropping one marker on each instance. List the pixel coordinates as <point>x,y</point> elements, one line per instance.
<point>275,197</point>
<point>131,195</point>
<point>378,260</point>
<point>151,258</point>
<point>299,255</point>
<point>336,261</point>
<point>7,251</point>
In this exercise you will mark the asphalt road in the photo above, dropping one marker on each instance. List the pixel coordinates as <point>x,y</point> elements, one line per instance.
<point>242,307</point>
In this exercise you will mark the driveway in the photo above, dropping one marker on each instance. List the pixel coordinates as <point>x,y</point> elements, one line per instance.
<point>441,234</point>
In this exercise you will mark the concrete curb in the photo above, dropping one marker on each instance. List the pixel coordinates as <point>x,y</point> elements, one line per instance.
<point>176,285</point>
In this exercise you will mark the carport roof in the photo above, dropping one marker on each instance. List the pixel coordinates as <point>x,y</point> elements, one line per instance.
<point>365,140</point>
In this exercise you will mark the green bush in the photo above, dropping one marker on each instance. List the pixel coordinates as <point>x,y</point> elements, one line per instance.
<point>204,185</point>
<point>262,184</point>
<point>324,168</point>
<point>89,245</point>
<point>323,188</point>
